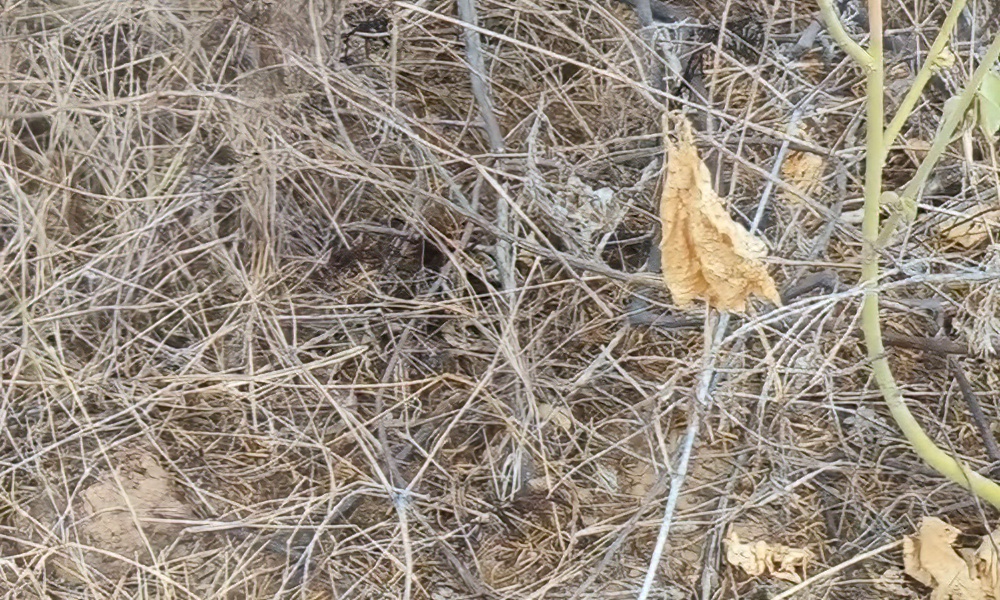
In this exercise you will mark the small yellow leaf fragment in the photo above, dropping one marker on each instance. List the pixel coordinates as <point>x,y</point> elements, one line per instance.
<point>760,558</point>
<point>916,149</point>
<point>706,255</point>
<point>944,60</point>
<point>973,227</point>
<point>803,171</point>
<point>930,558</point>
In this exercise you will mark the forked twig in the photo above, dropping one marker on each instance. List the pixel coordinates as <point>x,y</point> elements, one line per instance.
<point>481,92</point>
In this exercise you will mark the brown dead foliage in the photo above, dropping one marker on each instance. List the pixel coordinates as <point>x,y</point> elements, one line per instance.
<point>706,255</point>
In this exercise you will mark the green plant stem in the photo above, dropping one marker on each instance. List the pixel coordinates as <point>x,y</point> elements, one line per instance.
<point>951,123</point>
<point>870,322</point>
<point>924,74</point>
<point>876,148</point>
<point>836,29</point>
<point>922,444</point>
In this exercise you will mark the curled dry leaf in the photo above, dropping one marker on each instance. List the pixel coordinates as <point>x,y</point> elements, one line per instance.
<point>916,149</point>
<point>944,60</point>
<point>803,171</point>
<point>973,227</point>
<point>706,255</point>
<point>954,574</point>
<point>759,558</point>
<point>987,563</point>
<point>930,559</point>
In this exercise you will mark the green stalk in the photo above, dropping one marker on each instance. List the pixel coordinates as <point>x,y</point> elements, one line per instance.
<point>924,74</point>
<point>951,123</point>
<point>876,149</point>
<point>922,444</point>
<point>839,34</point>
<point>907,199</point>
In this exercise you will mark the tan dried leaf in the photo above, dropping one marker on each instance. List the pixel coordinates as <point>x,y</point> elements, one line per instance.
<point>803,171</point>
<point>706,255</point>
<point>916,149</point>
<point>759,558</point>
<point>973,227</point>
<point>987,564</point>
<point>892,583</point>
<point>643,479</point>
<point>944,60</point>
<point>930,558</point>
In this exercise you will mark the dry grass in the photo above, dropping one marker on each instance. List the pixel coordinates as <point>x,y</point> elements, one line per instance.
<point>251,302</point>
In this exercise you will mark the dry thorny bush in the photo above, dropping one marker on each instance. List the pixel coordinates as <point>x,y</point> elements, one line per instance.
<point>252,301</point>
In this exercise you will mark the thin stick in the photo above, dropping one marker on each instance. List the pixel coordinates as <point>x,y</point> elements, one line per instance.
<point>404,527</point>
<point>701,404</point>
<point>477,72</point>
<point>793,126</point>
<point>837,569</point>
<point>806,40</point>
<point>481,92</point>
<point>709,570</point>
<point>644,12</point>
<point>982,423</point>
<point>626,530</point>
